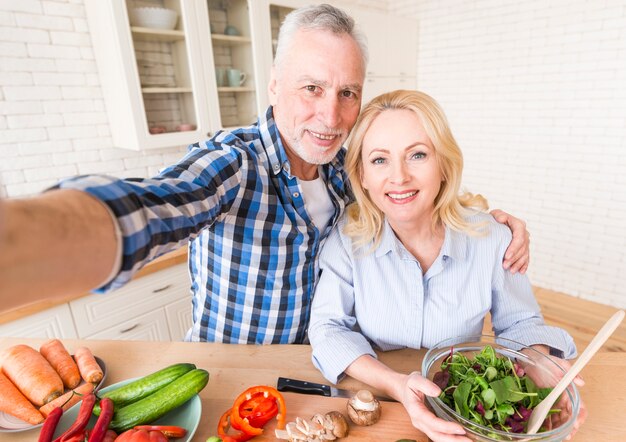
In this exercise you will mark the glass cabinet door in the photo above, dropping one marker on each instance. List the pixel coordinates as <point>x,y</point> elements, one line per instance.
<point>233,62</point>
<point>154,86</point>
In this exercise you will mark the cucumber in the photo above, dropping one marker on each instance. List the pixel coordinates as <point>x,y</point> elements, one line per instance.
<point>152,407</point>
<point>144,386</point>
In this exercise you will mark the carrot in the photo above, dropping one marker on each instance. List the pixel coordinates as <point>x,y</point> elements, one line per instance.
<point>13,402</point>
<point>32,374</point>
<point>57,355</point>
<point>67,400</point>
<point>87,365</point>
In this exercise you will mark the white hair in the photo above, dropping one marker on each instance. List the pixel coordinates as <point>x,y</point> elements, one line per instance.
<point>322,17</point>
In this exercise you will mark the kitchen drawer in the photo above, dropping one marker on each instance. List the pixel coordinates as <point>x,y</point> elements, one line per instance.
<point>150,326</point>
<point>55,322</point>
<point>179,318</point>
<point>97,313</point>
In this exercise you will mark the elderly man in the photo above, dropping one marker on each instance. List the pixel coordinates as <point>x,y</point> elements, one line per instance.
<point>255,204</point>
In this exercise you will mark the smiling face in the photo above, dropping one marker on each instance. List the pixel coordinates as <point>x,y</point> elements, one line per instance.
<point>400,169</point>
<point>316,95</point>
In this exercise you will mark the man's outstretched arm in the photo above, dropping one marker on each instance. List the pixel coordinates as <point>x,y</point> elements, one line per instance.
<point>60,243</point>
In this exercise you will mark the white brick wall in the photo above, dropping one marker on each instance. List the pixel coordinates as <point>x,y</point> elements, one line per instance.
<point>52,118</point>
<point>536,95</point>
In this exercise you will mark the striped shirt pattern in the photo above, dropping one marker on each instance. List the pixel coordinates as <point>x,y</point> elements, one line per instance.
<point>252,246</point>
<point>385,296</point>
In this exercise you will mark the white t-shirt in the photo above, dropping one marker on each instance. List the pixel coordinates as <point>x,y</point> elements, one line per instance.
<point>317,201</point>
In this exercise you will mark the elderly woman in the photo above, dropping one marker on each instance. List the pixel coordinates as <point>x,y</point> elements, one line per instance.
<point>410,265</point>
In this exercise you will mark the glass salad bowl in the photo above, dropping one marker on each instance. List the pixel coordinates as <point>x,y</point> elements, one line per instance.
<point>493,416</point>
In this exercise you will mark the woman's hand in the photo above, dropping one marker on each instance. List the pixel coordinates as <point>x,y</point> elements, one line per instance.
<point>517,255</point>
<point>413,395</point>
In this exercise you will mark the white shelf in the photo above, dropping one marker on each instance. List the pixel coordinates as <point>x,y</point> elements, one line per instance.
<point>152,34</point>
<point>235,89</point>
<point>166,90</point>
<point>231,39</point>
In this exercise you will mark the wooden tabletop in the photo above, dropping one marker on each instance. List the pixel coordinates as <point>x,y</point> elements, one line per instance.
<point>233,368</point>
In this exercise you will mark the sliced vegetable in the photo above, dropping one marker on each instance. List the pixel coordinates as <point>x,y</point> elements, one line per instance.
<point>102,424</point>
<point>87,365</point>
<point>31,374</point>
<point>50,424</point>
<point>259,409</point>
<point>145,386</point>
<point>68,400</point>
<point>240,422</point>
<point>224,425</point>
<point>79,425</point>
<point>167,430</point>
<point>13,402</point>
<point>59,358</point>
<point>150,408</point>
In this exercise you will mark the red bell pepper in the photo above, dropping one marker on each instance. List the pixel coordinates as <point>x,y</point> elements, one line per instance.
<point>222,429</point>
<point>242,423</point>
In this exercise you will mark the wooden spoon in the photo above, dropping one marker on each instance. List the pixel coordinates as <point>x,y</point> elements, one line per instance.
<point>541,410</point>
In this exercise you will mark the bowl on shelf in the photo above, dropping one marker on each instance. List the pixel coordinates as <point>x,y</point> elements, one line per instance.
<point>153,17</point>
<point>534,364</point>
<point>185,127</point>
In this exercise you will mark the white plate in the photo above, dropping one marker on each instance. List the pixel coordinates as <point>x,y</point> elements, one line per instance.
<point>186,416</point>
<point>10,423</point>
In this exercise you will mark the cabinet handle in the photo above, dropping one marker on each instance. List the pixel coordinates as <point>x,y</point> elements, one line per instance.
<point>209,134</point>
<point>162,289</point>
<point>132,327</point>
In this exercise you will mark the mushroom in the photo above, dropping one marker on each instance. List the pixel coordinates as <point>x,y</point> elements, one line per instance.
<point>337,423</point>
<point>363,408</point>
<point>319,428</point>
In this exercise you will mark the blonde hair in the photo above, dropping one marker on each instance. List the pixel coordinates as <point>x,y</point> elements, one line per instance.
<point>364,219</point>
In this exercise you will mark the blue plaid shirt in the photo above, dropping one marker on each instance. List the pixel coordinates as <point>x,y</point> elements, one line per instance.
<point>253,246</point>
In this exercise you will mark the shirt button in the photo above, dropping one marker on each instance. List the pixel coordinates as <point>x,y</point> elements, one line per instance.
<point>276,167</point>
<point>296,195</point>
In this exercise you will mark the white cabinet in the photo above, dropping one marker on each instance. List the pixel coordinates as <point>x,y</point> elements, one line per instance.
<point>160,85</point>
<point>152,79</point>
<point>150,326</point>
<point>179,320</point>
<point>156,307</point>
<point>393,46</point>
<point>56,322</point>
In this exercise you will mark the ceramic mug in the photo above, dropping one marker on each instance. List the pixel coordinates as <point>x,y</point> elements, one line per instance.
<point>235,77</point>
<point>231,30</point>
<point>220,77</point>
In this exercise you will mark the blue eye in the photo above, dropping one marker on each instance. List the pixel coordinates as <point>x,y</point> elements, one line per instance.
<point>378,160</point>
<point>418,155</point>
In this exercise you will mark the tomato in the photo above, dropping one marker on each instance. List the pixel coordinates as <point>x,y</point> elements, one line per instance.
<point>141,436</point>
<point>168,430</point>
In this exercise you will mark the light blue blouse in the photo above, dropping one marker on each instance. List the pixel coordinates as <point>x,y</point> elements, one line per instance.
<point>381,299</point>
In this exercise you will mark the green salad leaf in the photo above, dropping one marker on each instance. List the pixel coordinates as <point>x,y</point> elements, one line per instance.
<point>490,390</point>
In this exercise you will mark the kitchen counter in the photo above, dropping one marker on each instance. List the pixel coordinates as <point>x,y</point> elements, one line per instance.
<point>233,368</point>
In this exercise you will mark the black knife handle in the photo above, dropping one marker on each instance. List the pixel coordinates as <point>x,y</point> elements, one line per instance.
<point>296,386</point>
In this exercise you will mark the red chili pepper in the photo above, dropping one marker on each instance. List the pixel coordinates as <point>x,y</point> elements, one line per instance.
<point>243,424</point>
<point>50,424</point>
<point>82,419</point>
<point>222,428</point>
<point>168,430</point>
<point>78,437</point>
<point>102,424</point>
